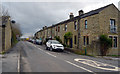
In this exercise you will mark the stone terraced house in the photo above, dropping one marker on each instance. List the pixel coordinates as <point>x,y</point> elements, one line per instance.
<point>87,28</point>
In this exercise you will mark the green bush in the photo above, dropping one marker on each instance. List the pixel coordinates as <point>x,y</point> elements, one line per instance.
<point>58,39</point>
<point>67,37</point>
<point>105,44</point>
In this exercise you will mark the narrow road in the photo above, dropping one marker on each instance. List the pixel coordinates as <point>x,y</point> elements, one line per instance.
<point>34,58</point>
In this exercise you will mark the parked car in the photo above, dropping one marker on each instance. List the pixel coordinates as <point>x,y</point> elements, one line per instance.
<point>33,40</point>
<point>39,42</point>
<point>54,45</point>
<point>30,40</point>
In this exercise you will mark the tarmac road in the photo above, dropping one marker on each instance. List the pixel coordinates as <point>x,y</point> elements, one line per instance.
<point>34,58</point>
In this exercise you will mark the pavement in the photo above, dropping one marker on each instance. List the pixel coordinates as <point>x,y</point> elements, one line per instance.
<point>109,58</point>
<point>10,60</point>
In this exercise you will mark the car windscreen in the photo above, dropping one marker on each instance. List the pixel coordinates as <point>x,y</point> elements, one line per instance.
<point>55,42</point>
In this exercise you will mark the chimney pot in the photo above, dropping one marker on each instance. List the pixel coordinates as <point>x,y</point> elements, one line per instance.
<point>81,12</point>
<point>71,15</point>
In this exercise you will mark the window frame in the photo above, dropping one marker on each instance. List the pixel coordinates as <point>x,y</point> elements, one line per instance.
<point>115,41</point>
<point>84,40</point>
<point>112,36</point>
<point>75,39</point>
<point>86,23</point>
<point>87,40</point>
<point>65,27</point>
<point>113,27</point>
<point>75,25</point>
<point>58,28</point>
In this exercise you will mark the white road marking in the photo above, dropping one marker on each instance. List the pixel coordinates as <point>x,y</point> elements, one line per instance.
<point>50,54</point>
<point>18,63</point>
<point>43,51</point>
<point>80,67</point>
<point>97,64</point>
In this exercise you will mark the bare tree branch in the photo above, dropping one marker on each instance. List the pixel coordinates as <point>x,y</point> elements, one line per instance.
<point>5,11</point>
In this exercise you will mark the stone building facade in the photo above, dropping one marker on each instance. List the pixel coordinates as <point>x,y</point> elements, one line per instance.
<point>6,33</point>
<point>87,28</point>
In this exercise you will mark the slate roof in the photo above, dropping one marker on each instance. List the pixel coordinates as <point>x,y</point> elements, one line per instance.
<point>93,12</point>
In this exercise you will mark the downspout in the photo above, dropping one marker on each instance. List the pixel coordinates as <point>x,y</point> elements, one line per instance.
<point>78,46</point>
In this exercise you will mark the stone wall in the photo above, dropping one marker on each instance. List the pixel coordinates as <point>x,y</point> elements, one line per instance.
<point>8,35</point>
<point>92,31</point>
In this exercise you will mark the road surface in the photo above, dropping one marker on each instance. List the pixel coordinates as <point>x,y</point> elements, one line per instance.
<point>34,58</point>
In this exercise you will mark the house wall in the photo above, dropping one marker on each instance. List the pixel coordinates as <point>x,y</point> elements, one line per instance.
<point>8,35</point>
<point>104,21</point>
<point>92,31</point>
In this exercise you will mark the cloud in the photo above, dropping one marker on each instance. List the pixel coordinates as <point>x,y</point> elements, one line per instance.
<point>32,16</point>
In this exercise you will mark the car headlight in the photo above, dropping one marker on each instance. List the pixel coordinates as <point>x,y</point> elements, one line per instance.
<point>54,46</point>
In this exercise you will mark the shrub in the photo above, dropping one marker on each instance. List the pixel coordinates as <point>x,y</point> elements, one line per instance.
<point>58,39</point>
<point>105,44</point>
<point>67,37</point>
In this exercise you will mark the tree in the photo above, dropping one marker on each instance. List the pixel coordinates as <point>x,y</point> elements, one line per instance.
<point>67,37</point>
<point>5,11</point>
<point>105,44</point>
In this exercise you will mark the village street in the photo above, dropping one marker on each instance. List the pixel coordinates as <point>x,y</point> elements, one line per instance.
<point>34,58</point>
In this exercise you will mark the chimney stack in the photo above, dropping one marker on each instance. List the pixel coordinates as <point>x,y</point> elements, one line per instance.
<point>80,12</point>
<point>71,15</point>
<point>44,27</point>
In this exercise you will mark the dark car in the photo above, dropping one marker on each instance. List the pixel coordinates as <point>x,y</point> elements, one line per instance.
<point>39,42</point>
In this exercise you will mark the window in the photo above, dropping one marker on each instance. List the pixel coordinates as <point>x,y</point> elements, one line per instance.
<point>86,40</point>
<point>65,27</point>
<point>113,27</point>
<point>85,24</point>
<point>58,29</point>
<point>75,38</point>
<point>75,25</point>
<point>114,41</point>
<point>111,38</point>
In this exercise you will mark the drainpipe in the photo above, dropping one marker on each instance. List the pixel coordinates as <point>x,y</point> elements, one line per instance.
<point>78,33</point>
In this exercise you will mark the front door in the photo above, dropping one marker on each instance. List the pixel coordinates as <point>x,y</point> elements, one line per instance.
<point>71,43</point>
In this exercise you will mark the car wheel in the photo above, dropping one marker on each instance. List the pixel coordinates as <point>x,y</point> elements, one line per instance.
<point>51,49</point>
<point>62,50</point>
<point>46,48</point>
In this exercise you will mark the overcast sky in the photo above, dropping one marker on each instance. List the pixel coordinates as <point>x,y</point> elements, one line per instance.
<point>32,16</point>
